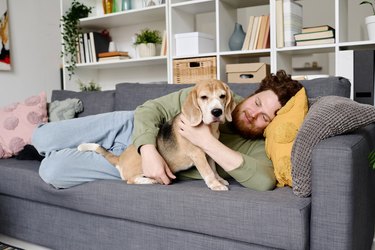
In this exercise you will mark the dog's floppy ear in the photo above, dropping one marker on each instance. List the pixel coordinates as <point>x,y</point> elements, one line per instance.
<point>191,108</point>
<point>230,104</point>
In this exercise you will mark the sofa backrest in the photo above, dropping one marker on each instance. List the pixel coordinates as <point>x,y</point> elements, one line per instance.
<point>130,95</point>
<point>127,96</point>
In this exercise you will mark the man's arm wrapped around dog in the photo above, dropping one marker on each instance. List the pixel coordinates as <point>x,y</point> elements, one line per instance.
<point>255,171</point>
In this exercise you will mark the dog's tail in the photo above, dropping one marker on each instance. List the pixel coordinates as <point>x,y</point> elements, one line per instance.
<point>113,159</point>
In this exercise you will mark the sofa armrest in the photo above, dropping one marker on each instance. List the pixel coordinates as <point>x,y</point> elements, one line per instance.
<point>343,197</point>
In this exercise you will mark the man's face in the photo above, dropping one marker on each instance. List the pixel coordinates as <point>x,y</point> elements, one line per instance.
<point>252,115</point>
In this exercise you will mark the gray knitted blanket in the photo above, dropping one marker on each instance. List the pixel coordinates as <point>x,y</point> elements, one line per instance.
<point>328,116</point>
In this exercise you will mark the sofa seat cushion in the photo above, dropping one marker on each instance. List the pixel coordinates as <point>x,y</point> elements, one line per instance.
<point>275,218</point>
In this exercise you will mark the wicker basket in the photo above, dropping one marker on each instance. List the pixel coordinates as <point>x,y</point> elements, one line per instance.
<point>193,69</point>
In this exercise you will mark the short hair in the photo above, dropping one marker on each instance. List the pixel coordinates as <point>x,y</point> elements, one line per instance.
<point>281,84</point>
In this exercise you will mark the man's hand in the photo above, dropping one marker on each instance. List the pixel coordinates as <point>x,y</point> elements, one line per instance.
<point>198,135</point>
<point>154,166</point>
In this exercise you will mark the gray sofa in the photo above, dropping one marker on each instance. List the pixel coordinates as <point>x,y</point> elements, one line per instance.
<point>187,215</point>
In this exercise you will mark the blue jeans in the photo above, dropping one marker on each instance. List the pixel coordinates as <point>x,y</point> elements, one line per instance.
<point>64,166</point>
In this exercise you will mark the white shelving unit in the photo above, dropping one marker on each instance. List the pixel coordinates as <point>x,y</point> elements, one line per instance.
<point>217,18</point>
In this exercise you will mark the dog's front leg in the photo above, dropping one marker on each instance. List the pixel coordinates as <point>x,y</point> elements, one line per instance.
<point>204,168</point>
<point>213,167</point>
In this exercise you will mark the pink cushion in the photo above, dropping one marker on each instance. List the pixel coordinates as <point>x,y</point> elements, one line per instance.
<point>18,121</point>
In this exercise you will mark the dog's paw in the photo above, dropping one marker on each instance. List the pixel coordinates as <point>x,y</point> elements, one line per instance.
<point>88,147</point>
<point>222,181</point>
<point>142,180</point>
<point>220,187</point>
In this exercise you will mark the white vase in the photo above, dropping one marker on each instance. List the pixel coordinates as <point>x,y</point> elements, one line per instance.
<point>146,50</point>
<point>370,23</point>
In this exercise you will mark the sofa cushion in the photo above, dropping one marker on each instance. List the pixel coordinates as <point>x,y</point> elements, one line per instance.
<point>94,102</point>
<point>328,116</point>
<point>281,133</point>
<point>240,214</point>
<point>18,121</point>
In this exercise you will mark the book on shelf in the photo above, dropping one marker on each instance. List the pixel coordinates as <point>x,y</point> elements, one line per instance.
<point>246,42</point>
<point>316,28</point>
<point>262,32</point>
<point>279,24</point>
<point>314,35</point>
<point>316,42</point>
<point>113,58</point>
<point>86,48</point>
<point>99,43</point>
<point>267,38</point>
<point>163,47</point>
<point>293,21</point>
<point>253,34</point>
<point>112,53</point>
<point>81,49</point>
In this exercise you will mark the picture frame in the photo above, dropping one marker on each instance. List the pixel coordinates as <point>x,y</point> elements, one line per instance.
<point>4,36</point>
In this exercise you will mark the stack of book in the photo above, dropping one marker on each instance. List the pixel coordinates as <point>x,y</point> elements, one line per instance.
<point>113,56</point>
<point>258,33</point>
<point>323,34</point>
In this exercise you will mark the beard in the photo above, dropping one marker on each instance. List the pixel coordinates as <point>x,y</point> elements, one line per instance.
<point>246,130</point>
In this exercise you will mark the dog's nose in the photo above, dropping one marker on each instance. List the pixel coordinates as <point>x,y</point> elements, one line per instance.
<point>216,112</point>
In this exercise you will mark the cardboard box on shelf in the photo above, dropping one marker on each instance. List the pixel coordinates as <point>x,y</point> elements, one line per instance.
<point>247,72</point>
<point>194,43</point>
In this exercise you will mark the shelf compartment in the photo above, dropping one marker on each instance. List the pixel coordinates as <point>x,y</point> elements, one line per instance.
<point>125,18</point>
<point>125,63</point>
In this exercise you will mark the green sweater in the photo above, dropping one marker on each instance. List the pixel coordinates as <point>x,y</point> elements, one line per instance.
<point>256,170</point>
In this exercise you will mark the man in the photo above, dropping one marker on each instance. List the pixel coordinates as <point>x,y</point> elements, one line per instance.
<point>239,151</point>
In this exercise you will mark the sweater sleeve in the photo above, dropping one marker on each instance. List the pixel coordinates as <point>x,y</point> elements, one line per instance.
<point>152,114</point>
<point>256,171</point>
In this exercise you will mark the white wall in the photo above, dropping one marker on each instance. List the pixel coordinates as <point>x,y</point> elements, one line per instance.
<point>35,50</point>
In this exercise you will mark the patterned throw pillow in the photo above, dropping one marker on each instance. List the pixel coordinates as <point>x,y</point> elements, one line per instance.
<point>328,116</point>
<point>18,121</point>
<point>65,109</point>
<point>281,133</point>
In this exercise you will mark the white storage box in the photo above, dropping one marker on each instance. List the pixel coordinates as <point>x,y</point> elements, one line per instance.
<point>194,43</point>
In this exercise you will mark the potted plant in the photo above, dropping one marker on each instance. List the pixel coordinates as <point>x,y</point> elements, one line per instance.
<point>370,20</point>
<point>70,33</point>
<point>146,41</point>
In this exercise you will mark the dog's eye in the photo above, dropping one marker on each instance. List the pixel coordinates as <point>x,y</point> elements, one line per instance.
<point>204,97</point>
<point>222,96</point>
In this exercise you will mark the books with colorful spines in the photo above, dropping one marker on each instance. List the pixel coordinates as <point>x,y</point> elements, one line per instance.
<point>316,28</point>
<point>113,58</point>
<point>292,21</point>
<point>316,42</point>
<point>315,35</point>
<point>113,53</point>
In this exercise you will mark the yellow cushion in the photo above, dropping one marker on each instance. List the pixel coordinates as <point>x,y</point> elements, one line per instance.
<point>281,133</point>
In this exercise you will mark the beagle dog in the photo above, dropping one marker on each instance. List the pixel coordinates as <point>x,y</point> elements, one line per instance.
<point>210,102</point>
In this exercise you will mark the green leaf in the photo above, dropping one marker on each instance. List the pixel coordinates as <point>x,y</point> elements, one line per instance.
<point>371,158</point>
